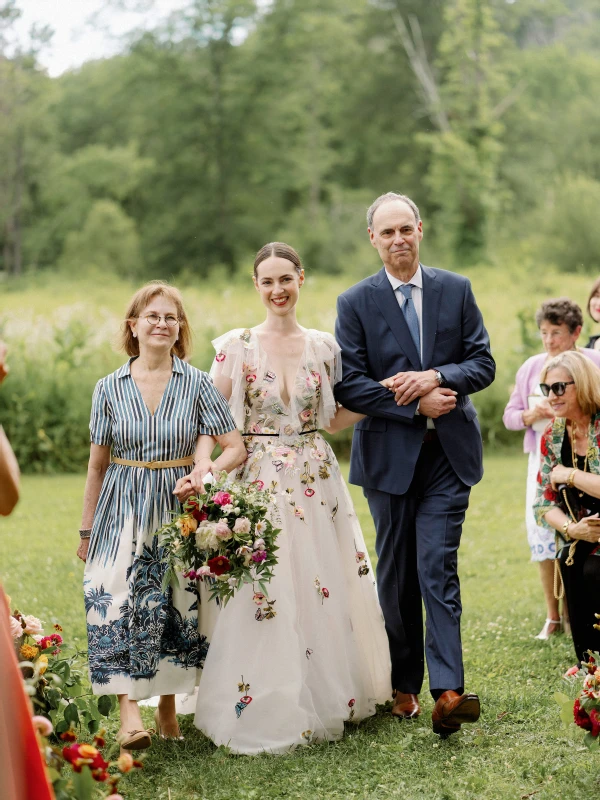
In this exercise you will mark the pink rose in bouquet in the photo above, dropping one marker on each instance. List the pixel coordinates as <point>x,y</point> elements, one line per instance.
<point>222,498</point>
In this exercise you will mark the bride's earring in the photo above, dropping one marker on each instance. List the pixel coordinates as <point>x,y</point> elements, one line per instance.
<point>134,335</point>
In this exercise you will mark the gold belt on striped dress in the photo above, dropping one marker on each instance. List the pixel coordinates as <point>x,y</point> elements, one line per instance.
<point>177,462</point>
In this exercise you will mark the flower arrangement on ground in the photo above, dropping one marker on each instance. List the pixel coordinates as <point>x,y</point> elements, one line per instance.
<point>224,537</point>
<point>54,675</point>
<point>585,711</point>
<point>54,678</point>
<point>79,770</point>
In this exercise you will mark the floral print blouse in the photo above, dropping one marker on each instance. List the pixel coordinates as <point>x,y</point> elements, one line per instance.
<point>550,447</point>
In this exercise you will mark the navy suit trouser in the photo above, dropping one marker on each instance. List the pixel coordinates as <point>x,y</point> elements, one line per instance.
<point>418,534</point>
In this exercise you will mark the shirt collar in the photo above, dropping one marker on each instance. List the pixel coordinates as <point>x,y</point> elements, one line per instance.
<point>416,280</point>
<point>125,370</point>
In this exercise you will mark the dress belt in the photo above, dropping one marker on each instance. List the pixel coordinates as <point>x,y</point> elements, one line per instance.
<point>177,462</point>
<point>273,435</point>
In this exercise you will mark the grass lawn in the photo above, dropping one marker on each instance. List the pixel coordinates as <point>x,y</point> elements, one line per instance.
<point>519,749</point>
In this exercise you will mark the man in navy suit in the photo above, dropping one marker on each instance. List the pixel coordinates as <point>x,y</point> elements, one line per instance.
<point>418,451</point>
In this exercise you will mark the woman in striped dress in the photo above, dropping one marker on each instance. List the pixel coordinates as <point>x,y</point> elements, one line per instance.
<point>153,413</point>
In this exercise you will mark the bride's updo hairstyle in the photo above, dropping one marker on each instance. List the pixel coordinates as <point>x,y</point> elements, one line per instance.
<point>280,250</point>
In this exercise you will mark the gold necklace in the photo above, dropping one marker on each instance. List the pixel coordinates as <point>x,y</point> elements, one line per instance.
<point>574,451</point>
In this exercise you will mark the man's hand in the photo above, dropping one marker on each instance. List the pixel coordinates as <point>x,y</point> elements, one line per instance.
<point>410,385</point>
<point>437,402</point>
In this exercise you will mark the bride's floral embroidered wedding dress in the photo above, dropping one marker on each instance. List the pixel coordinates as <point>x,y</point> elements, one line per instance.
<point>291,669</point>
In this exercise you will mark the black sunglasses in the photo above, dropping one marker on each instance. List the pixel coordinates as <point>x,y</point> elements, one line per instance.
<point>559,388</point>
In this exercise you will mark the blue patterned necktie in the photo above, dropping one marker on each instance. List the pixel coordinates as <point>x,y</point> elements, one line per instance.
<point>410,315</point>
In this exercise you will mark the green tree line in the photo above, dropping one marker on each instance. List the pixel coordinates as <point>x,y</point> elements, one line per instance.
<point>235,122</point>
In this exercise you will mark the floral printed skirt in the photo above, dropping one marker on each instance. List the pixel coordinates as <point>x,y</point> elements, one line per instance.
<point>294,668</point>
<point>142,641</point>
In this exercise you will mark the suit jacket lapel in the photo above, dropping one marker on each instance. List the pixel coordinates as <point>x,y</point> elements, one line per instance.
<point>432,295</point>
<point>386,301</point>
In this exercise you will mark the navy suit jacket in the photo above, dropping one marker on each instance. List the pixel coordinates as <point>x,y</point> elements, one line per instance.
<point>376,343</point>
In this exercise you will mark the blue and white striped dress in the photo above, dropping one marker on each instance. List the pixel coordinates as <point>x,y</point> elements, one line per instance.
<point>141,641</point>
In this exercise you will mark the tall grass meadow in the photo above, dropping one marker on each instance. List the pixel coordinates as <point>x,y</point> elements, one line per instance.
<point>61,333</point>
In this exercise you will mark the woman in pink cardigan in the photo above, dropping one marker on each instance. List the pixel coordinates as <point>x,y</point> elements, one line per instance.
<point>560,323</point>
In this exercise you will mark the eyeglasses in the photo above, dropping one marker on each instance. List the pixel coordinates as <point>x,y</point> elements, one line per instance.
<point>154,319</point>
<point>558,388</point>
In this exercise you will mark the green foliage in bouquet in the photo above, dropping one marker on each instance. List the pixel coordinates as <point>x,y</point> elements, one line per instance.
<point>225,538</point>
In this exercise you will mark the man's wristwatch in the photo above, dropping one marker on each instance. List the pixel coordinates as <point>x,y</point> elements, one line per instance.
<point>440,377</point>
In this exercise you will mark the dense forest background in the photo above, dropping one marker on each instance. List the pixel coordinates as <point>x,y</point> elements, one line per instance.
<point>236,122</point>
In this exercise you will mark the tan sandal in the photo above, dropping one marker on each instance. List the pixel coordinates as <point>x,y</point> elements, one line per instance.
<point>179,738</point>
<point>136,740</point>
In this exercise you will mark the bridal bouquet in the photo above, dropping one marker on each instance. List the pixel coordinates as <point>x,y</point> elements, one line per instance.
<point>224,537</point>
<point>585,711</point>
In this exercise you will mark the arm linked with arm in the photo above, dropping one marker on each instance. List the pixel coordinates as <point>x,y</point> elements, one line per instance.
<point>345,419</point>
<point>232,445</point>
<point>357,391</point>
<point>477,369</point>
<point>206,443</point>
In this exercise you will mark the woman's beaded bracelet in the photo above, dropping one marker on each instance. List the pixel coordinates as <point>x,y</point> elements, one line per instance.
<point>85,533</point>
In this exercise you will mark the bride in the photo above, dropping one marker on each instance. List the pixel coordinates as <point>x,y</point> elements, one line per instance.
<point>291,668</point>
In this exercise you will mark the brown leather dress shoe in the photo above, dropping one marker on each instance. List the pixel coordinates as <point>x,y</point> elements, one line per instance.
<point>405,706</point>
<point>452,709</point>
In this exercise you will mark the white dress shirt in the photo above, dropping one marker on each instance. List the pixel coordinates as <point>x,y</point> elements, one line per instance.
<point>417,297</point>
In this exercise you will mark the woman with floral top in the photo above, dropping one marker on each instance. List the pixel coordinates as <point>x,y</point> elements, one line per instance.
<point>291,668</point>
<point>570,457</point>
<point>559,321</point>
